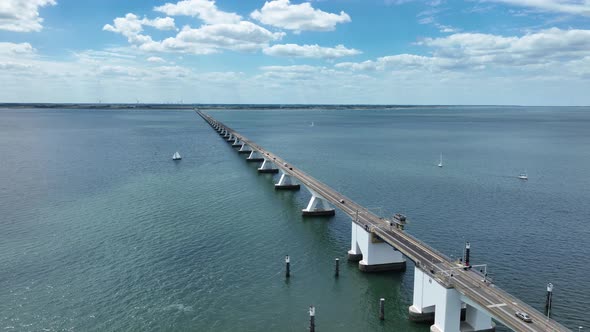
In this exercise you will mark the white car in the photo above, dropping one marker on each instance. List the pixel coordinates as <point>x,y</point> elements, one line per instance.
<point>525,317</point>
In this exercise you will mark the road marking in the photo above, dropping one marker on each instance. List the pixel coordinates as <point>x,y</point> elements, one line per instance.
<point>496,305</point>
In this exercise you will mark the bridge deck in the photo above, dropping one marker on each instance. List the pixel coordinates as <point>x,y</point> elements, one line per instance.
<point>498,303</point>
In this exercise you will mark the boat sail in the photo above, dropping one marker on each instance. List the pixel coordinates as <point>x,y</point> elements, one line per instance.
<point>176,156</point>
<point>440,163</point>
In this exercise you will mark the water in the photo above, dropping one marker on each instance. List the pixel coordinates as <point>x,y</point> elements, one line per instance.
<point>101,231</point>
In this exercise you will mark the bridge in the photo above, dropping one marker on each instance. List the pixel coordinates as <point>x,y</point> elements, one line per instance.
<point>447,293</point>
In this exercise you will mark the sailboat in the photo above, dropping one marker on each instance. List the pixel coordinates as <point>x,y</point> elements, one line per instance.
<point>523,176</point>
<point>440,163</point>
<point>311,125</point>
<point>176,156</point>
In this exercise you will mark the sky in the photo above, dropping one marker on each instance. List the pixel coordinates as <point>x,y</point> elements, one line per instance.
<point>473,52</point>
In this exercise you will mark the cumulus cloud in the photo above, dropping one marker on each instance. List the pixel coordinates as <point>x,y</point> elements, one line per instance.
<point>16,49</point>
<point>206,10</point>
<point>243,36</point>
<point>547,45</point>
<point>131,25</point>
<point>155,59</point>
<point>475,51</point>
<point>301,17</point>
<point>207,39</point>
<point>310,51</point>
<point>576,7</point>
<point>22,15</point>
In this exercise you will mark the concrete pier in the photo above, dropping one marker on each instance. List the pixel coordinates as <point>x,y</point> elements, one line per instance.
<point>245,149</point>
<point>254,157</point>
<point>318,206</point>
<point>445,307</point>
<point>267,167</point>
<point>286,182</point>
<point>376,254</point>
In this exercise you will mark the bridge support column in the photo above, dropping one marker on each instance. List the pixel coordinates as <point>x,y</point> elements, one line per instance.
<point>244,149</point>
<point>354,254</point>
<point>445,307</point>
<point>313,209</point>
<point>254,156</point>
<point>286,182</point>
<point>376,255</point>
<point>236,143</point>
<point>477,320</point>
<point>267,167</point>
<point>231,138</point>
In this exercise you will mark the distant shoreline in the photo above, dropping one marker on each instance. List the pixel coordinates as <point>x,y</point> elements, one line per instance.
<point>234,106</point>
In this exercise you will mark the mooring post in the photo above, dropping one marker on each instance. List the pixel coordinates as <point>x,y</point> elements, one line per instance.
<point>287,266</point>
<point>467,249</point>
<point>311,319</point>
<point>381,308</point>
<point>549,300</point>
<point>337,267</point>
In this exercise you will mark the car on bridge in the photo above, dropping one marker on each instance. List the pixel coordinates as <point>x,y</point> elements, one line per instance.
<point>524,316</point>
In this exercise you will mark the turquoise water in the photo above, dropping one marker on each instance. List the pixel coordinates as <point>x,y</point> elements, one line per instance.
<point>101,231</point>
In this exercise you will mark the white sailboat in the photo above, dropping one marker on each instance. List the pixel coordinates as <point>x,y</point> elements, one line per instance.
<point>440,163</point>
<point>311,125</point>
<point>176,156</point>
<point>523,176</point>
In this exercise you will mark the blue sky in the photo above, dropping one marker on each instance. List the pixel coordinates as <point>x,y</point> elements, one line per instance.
<point>525,52</point>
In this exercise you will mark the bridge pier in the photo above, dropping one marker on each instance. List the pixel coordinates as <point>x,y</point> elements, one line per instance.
<point>372,253</point>
<point>231,138</point>
<point>286,182</point>
<point>236,143</point>
<point>313,209</point>
<point>445,308</point>
<point>244,149</point>
<point>267,167</point>
<point>254,156</point>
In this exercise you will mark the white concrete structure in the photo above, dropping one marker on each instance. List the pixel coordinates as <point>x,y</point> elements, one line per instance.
<point>286,182</point>
<point>318,206</point>
<point>245,148</point>
<point>254,156</point>
<point>267,167</point>
<point>376,254</point>
<point>432,298</point>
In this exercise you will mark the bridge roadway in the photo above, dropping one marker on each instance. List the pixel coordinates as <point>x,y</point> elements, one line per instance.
<point>498,303</point>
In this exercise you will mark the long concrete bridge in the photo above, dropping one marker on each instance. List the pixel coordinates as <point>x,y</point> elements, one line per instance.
<point>448,294</point>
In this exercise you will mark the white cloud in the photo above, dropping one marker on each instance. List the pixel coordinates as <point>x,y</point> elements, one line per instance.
<point>131,27</point>
<point>293,68</point>
<point>206,10</point>
<point>155,59</point>
<point>541,47</point>
<point>576,7</point>
<point>310,51</point>
<point>463,52</point>
<point>243,36</point>
<point>301,17</point>
<point>211,38</point>
<point>22,15</point>
<point>166,23</point>
<point>16,49</point>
